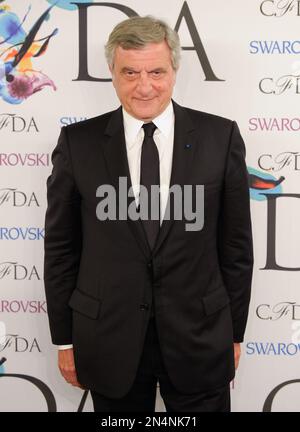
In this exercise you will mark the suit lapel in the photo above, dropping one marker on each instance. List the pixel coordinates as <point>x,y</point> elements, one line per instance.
<point>115,155</point>
<point>183,154</point>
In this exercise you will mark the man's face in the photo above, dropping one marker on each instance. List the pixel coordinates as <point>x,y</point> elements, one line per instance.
<point>144,79</point>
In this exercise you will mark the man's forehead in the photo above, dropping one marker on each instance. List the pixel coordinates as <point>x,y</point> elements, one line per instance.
<point>149,55</point>
<point>150,50</point>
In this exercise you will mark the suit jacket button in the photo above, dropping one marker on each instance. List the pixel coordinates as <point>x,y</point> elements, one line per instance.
<point>144,306</point>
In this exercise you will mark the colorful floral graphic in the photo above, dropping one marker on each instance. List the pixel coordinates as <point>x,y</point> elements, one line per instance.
<point>260,183</point>
<point>67,4</point>
<point>18,79</point>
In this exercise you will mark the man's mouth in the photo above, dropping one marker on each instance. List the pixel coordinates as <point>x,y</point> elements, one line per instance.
<point>144,100</point>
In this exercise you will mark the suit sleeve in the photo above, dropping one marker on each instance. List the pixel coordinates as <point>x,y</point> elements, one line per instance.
<point>62,242</point>
<point>235,234</point>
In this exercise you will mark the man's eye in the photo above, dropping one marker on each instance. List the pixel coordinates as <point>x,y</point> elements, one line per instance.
<point>130,74</point>
<point>156,73</point>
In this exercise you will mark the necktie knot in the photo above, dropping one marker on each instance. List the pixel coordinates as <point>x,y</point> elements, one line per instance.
<point>149,129</point>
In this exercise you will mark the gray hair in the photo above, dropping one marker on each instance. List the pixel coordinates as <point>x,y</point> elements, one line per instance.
<point>136,32</point>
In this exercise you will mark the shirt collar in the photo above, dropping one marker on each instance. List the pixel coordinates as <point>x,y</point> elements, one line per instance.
<point>132,126</point>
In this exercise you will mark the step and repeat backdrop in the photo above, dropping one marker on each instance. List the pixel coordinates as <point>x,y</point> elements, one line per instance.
<point>240,60</point>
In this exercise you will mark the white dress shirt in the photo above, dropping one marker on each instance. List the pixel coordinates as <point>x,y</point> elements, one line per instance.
<point>164,140</point>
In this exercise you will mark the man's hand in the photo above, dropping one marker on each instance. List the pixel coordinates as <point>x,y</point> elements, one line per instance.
<point>66,366</point>
<point>237,354</point>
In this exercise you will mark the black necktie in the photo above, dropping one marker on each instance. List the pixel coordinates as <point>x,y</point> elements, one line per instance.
<point>149,177</point>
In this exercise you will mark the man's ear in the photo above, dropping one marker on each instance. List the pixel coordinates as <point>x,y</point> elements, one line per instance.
<point>175,77</point>
<point>111,69</point>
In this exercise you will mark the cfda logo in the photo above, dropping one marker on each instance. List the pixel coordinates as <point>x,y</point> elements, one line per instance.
<point>280,8</point>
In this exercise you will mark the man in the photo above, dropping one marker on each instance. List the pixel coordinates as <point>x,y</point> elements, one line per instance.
<point>136,302</point>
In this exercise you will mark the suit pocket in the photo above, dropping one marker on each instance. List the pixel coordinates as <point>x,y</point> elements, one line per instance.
<point>84,304</point>
<point>215,301</point>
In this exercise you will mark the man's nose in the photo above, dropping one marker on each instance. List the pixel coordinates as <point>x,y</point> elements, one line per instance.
<point>144,86</point>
